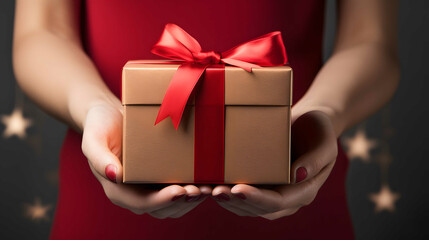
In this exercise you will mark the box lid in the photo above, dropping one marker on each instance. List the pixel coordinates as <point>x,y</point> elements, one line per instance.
<point>145,82</point>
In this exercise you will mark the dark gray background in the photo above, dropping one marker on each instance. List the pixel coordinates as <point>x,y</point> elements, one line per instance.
<point>29,166</point>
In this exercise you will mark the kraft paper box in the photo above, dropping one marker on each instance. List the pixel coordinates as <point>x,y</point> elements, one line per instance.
<point>257,126</point>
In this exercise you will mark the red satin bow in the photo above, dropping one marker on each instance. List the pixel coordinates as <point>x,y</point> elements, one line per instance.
<point>267,51</point>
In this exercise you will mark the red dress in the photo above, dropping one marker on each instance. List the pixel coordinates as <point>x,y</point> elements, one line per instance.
<point>116,31</point>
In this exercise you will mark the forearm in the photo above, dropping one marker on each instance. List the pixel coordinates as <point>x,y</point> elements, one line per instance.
<point>353,84</point>
<point>57,74</point>
<point>50,64</point>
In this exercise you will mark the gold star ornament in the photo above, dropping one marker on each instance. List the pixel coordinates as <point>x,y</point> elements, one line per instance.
<point>37,211</point>
<point>385,199</point>
<point>359,146</point>
<point>15,124</point>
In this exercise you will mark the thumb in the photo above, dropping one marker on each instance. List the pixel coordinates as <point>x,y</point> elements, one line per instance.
<point>314,145</point>
<point>312,163</point>
<point>101,157</point>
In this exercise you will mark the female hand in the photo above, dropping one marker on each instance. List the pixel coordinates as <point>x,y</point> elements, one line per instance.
<point>314,151</point>
<point>102,145</point>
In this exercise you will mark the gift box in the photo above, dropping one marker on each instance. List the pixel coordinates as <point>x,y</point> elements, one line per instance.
<point>245,140</point>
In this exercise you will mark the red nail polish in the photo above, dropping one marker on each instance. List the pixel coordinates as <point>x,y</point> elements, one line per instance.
<point>301,174</point>
<point>192,198</point>
<point>177,197</point>
<point>222,197</point>
<point>110,172</point>
<point>240,195</point>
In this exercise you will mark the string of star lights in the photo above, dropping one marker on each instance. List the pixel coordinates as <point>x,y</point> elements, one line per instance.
<point>360,146</point>
<point>16,125</point>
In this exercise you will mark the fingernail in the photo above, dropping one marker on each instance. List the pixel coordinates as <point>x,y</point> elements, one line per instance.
<point>240,195</point>
<point>222,197</point>
<point>110,172</point>
<point>191,198</point>
<point>301,174</point>
<point>177,197</point>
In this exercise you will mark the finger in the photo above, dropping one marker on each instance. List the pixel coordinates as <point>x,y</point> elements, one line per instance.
<point>219,189</point>
<point>138,198</point>
<point>310,164</point>
<point>205,193</point>
<point>237,201</point>
<point>281,201</point>
<point>264,199</point>
<point>205,189</point>
<point>258,203</point>
<point>189,207</point>
<point>243,206</point>
<point>279,214</point>
<point>100,157</point>
<point>302,194</point>
<point>193,194</point>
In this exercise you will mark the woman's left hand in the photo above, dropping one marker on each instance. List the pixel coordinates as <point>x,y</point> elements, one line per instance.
<point>314,151</point>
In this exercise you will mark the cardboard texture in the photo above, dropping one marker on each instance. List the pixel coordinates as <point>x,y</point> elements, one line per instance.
<point>257,126</point>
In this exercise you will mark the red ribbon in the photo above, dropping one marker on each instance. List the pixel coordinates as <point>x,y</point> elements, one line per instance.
<point>209,132</point>
<point>265,51</point>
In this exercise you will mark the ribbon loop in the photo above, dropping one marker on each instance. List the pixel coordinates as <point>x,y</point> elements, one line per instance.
<point>175,43</point>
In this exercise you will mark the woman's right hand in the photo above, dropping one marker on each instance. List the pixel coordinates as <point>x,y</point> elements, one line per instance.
<point>101,144</point>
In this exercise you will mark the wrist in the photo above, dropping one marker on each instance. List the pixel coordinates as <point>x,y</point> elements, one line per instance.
<point>80,104</point>
<point>303,107</point>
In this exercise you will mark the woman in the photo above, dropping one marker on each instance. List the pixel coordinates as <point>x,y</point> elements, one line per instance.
<point>68,57</point>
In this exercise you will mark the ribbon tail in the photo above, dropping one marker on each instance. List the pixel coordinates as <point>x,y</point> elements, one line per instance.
<point>241,64</point>
<point>178,92</point>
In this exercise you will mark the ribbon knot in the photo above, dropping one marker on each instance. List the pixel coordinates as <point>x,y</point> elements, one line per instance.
<point>211,57</point>
<point>267,51</point>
